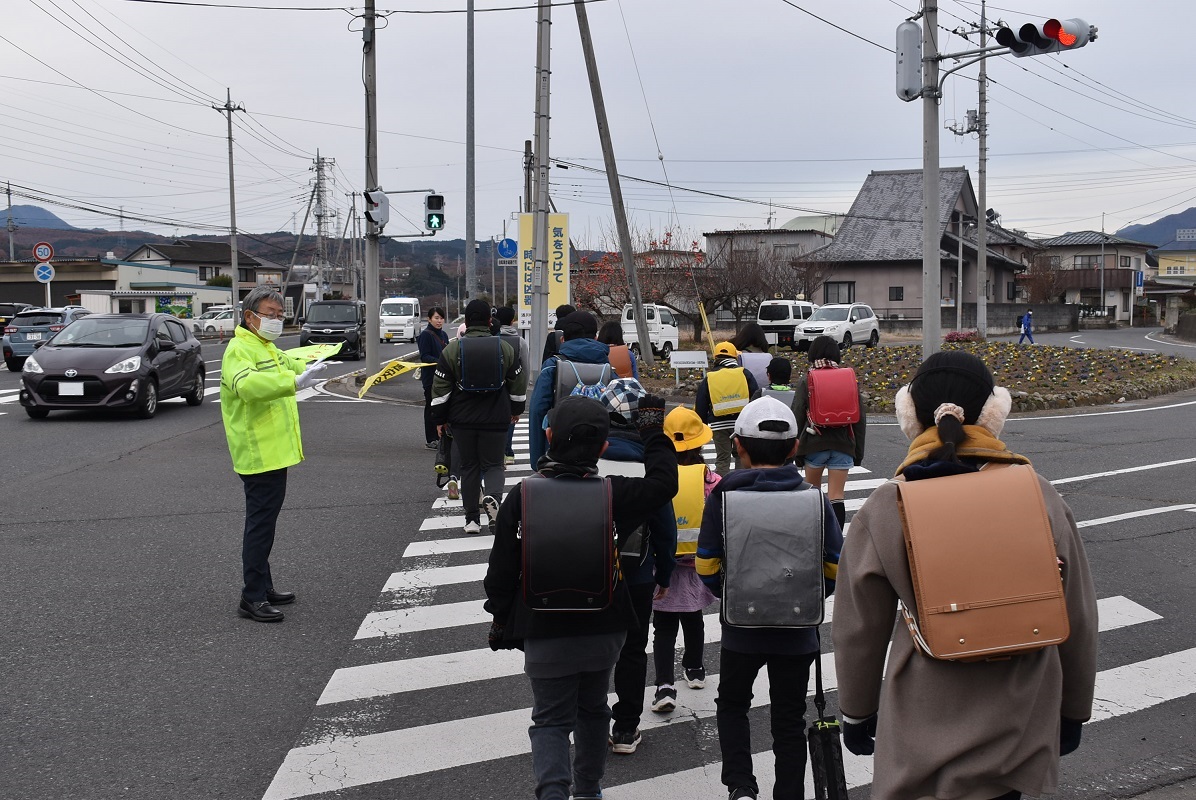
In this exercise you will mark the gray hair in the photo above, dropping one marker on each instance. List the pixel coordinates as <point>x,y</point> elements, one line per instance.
<point>256,297</point>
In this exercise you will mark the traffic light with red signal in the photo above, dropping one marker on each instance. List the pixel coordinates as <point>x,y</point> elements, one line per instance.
<point>1051,36</point>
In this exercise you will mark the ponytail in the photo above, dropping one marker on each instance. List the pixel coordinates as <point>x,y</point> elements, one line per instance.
<point>951,434</point>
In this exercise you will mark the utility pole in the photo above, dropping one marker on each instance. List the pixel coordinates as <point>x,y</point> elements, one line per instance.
<point>373,297</point>
<point>982,188</point>
<point>471,261</point>
<point>616,191</point>
<point>1102,264</point>
<point>540,228</point>
<point>528,165</point>
<point>228,108</point>
<point>932,323</point>
<point>12,253</point>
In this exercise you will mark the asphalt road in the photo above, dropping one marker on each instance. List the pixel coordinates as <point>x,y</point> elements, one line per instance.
<point>126,673</point>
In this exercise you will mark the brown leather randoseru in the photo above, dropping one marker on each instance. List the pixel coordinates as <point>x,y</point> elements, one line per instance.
<point>984,567</point>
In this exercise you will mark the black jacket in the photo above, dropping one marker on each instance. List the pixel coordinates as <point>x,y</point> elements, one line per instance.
<point>485,410</point>
<point>633,499</point>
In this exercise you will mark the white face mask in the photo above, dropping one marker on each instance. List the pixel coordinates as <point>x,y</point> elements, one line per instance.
<point>269,329</point>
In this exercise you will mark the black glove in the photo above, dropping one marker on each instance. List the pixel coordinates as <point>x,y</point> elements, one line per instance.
<point>860,737</point>
<point>650,412</point>
<point>495,638</point>
<point>1069,735</point>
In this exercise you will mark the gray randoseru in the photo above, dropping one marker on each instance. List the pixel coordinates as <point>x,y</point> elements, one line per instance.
<point>772,573</point>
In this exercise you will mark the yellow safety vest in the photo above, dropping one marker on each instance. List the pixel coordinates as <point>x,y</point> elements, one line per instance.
<point>688,506</point>
<point>728,390</point>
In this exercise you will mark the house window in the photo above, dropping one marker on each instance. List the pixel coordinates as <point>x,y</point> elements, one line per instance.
<point>1124,263</point>
<point>1011,291</point>
<point>1082,262</point>
<point>1125,302</point>
<point>128,306</point>
<point>246,275</point>
<point>839,292</point>
<point>896,294</point>
<point>207,273</point>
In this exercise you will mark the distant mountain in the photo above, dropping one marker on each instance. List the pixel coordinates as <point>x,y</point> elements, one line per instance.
<point>1161,232</point>
<point>35,217</point>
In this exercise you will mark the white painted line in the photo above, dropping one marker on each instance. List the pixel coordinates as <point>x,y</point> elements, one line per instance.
<point>1122,612</point>
<point>14,398</point>
<point>1159,465</point>
<point>1139,686</point>
<point>441,547</point>
<point>443,523</point>
<point>9,391</point>
<point>444,502</point>
<point>416,579</point>
<point>1135,349</point>
<point>1150,336</point>
<point>1094,413</point>
<point>1146,512</point>
<point>421,618</point>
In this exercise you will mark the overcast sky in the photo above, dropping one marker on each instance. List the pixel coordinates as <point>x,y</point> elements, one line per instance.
<point>749,98</point>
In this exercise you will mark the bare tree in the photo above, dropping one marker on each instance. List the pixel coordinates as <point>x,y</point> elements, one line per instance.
<point>1042,280</point>
<point>809,274</point>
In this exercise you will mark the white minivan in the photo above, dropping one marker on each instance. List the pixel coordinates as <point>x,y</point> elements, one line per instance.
<point>400,319</point>
<point>662,329</point>
<point>781,317</point>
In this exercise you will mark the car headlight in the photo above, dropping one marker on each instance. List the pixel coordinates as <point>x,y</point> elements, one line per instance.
<point>131,364</point>
<point>32,367</point>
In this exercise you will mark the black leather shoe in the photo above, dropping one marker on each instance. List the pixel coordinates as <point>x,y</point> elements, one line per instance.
<point>279,598</point>
<point>259,612</point>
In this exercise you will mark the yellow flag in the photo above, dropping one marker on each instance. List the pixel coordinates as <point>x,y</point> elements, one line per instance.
<point>392,370</point>
<point>314,352</point>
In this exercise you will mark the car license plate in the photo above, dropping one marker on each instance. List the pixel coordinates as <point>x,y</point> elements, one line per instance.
<point>70,389</point>
<point>33,337</point>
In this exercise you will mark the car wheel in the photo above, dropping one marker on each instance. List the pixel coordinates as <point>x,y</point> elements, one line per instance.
<point>666,350</point>
<point>37,413</point>
<point>635,348</point>
<point>195,396</point>
<point>148,405</point>
<point>874,339</point>
<point>14,364</point>
<point>210,329</point>
<point>846,341</point>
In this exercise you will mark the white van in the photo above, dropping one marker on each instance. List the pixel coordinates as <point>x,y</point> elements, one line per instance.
<point>780,317</point>
<point>662,329</point>
<point>400,319</point>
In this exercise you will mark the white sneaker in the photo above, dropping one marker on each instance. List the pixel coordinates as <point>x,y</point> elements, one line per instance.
<point>473,527</point>
<point>454,491</point>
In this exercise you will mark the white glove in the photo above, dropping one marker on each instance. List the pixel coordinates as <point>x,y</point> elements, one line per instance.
<point>310,376</point>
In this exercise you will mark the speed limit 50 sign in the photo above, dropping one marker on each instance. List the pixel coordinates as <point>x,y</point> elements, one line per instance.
<point>43,251</point>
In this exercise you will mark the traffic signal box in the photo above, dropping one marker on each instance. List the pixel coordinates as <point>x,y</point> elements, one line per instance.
<point>1051,36</point>
<point>434,212</point>
<point>377,207</point>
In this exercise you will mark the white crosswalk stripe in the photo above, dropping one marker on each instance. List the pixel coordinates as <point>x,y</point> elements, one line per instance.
<point>437,592</point>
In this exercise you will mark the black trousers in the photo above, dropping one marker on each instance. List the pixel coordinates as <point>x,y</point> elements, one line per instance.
<point>430,434</point>
<point>788,678</point>
<point>664,642</point>
<point>631,670</point>
<point>480,454</point>
<point>264,495</point>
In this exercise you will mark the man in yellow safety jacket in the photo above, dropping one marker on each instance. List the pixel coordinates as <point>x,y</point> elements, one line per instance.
<point>722,394</point>
<point>258,383</point>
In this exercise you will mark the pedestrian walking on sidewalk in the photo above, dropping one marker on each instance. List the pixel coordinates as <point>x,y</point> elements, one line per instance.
<point>1027,326</point>
<point>258,383</point>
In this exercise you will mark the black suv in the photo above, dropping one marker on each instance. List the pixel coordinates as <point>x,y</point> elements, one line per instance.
<point>331,321</point>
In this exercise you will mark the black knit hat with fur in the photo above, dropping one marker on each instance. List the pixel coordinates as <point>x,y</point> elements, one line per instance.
<point>951,376</point>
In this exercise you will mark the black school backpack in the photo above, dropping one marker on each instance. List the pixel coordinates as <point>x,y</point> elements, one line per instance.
<point>568,535</point>
<point>479,364</point>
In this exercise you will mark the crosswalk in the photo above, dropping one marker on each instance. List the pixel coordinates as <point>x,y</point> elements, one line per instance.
<point>422,698</point>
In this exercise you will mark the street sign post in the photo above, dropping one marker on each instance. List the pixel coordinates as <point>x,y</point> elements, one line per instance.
<point>44,271</point>
<point>508,248</point>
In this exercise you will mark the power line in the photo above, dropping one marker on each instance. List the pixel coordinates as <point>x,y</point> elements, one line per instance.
<point>838,27</point>
<point>349,9</point>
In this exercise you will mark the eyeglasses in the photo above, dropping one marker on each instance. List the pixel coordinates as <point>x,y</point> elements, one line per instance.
<point>279,315</point>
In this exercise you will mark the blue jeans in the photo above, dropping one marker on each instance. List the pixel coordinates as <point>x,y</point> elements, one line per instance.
<point>573,704</point>
<point>1026,335</point>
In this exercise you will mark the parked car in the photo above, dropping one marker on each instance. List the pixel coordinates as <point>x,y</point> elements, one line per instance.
<point>781,317</point>
<point>10,310</point>
<point>114,361</point>
<point>331,321</point>
<point>662,329</point>
<point>220,322</point>
<point>847,323</point>
<point>28,329</point>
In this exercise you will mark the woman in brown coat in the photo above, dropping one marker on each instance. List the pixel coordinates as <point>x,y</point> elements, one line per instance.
<point>946,729</point>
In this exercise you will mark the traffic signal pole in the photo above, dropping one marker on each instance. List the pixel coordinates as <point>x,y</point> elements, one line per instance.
<point>373,295</point>
<point>471,259</point>
<point>539,329</point>
<point>932,322</point>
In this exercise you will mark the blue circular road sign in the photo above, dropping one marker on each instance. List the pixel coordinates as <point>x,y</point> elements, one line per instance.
<point>507,248</point>
<point>44,273</point>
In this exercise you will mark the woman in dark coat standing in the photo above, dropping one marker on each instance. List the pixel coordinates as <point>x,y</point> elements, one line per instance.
<point>431,341</point>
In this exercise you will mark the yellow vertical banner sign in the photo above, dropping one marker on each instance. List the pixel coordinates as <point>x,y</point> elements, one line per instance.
<point>558,265</point>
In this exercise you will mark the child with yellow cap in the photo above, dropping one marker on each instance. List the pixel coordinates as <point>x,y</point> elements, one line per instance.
<point>688,596</point>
